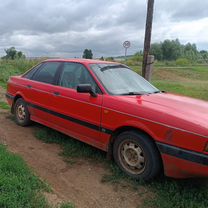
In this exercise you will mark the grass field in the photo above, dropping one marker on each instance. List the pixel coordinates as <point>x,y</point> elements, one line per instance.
<point>191,81</point>
<point>19,187</point>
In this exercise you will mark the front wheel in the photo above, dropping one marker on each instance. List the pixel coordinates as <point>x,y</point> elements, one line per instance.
<point>21,113</point>
<point>136,154</point>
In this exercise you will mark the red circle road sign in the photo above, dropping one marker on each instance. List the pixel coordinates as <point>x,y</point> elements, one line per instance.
<point>126,44</point>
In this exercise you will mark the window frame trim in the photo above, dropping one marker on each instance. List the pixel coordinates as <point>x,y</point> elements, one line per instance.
<point>40,68</point>
<point>39,65</point>
<point>61,71</point>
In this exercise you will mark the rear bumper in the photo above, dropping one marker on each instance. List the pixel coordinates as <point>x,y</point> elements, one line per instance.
<point>180,163</point>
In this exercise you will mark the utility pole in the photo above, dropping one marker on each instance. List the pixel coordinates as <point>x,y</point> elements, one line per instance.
<point>148,33</point>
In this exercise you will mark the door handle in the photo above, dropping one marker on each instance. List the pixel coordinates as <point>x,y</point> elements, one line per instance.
<point>29,86</point>
<point>56,93</point>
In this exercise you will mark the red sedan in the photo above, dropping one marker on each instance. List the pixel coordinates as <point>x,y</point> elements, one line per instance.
<point>109,106</point>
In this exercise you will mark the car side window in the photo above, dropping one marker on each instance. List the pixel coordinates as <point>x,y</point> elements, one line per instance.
<point>32,71</point>
<point>74,74</point>
<point>47,72</point>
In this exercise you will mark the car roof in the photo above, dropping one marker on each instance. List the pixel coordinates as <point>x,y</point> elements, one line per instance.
<point>83,61</point>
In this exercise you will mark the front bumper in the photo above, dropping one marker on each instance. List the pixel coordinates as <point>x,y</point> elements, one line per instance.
<point>181,163</point>
<point>10,99</point>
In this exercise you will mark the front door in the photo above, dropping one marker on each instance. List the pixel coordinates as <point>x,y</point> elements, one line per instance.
<point>79,114</point>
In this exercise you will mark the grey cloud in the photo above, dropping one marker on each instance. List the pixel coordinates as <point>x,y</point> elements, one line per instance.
<point>183,10</point>
<point>48,16</point>
<point>66,27</point>
<point>191,10</point>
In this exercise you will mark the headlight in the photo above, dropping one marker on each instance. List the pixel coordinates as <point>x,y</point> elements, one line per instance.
<point>206,147</point>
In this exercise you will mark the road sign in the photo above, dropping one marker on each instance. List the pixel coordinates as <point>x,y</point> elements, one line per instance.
<point>126,44</point>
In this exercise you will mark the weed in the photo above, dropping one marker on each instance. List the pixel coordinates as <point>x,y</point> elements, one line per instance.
<point>67,205</point>
<point>71,148</point>
<point>4,105</point>
<point>19,187</point>
<point>179,193</point>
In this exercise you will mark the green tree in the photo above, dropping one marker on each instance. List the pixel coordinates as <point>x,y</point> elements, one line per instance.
<point>204,56</point>
<point>87,54</point>
<point>171,50</point>
<point>190,52</point>
<point>156,50</point>
<point>12,53</point>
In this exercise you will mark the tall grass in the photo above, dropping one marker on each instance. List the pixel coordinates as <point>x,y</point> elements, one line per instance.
<point>14,67</point>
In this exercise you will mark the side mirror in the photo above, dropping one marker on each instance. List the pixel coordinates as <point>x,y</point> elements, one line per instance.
<point>86,88</point>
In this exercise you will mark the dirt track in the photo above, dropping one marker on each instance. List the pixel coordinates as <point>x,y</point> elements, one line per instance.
<point>79,183</point>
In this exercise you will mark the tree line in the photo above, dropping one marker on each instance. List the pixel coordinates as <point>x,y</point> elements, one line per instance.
<point>171,50</point>
<point>12,53</point>
<point>167,50</point>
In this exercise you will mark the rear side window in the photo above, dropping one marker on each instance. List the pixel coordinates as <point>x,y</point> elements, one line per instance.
<point>47,73</point>
<point>32,71</point>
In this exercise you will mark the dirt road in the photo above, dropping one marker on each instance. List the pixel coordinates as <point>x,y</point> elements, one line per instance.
<point>80,183</point>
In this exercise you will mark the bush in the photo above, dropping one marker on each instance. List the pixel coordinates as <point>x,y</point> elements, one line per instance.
<point>109,59</point>
<point>130,62</point>
<point>170,63</point>
<point>182,62</point>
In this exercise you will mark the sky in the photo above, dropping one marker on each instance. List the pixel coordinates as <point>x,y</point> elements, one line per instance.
<point>64,28</point>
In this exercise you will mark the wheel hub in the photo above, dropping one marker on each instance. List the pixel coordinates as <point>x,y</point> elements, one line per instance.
<point>21,112</point>
<point>133,157</point>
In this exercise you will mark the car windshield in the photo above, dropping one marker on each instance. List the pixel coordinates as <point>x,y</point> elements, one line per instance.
<point>120,80</point>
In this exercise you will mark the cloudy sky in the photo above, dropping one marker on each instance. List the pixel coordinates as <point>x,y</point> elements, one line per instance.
<point>63,28</point>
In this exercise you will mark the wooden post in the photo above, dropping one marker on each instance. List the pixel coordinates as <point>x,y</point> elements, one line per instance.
<point>149,68</point>
<point>148,32</point>
<point>125,54</point>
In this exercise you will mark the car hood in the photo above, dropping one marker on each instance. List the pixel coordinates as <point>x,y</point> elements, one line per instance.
<point>181,104</point>
<point>174,110</point>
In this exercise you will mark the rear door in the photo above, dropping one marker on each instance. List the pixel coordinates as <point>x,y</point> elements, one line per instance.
<point>42,92</point>
<point>79,114</point>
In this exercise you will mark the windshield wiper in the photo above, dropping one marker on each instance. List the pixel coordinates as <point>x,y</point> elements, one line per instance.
<point>155,92</point>
<point>135,93</point>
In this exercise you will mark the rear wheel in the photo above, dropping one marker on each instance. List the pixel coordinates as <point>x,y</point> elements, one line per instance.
<point>21,113</point>
<point>136,154</point>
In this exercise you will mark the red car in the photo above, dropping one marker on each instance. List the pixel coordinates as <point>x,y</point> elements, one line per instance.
<point>109,106</point>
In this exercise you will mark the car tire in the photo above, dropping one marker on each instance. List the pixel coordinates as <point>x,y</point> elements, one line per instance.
<point>137,155</point>
<point>21,113</point>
